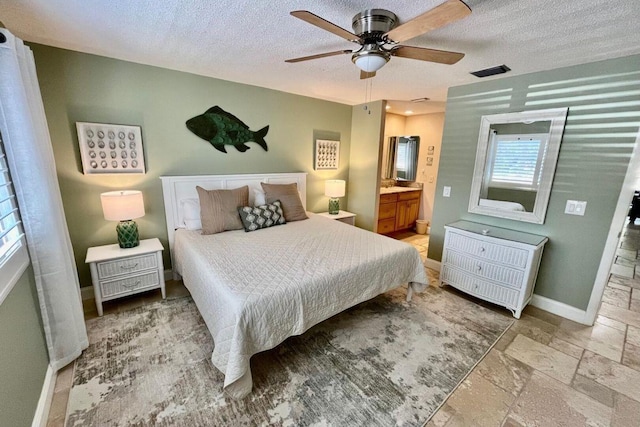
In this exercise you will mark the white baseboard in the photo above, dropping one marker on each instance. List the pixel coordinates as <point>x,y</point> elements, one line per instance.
<point>559,308</point>
<point>46,395</point>
<point>87,291</point>
<point>432,264</point>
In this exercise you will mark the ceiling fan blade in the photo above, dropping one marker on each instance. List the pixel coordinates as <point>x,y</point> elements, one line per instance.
<point>320,55</point>
<point>448,12</point>
<point>366,75</point>
<point>425,54</point>
<point>325,25</point>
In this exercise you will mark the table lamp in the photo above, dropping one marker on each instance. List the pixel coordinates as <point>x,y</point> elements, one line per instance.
<point>334,188</point>
<point>124,206</point>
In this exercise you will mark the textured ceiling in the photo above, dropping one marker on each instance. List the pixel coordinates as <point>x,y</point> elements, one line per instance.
<point>248,41</point>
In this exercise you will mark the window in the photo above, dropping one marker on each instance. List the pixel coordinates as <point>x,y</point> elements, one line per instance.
<point>13,252</point>
<point>517,161</point>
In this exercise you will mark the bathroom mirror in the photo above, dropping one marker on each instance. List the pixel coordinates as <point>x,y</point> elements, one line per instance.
<point>515,164</point>
<point>401,158</point>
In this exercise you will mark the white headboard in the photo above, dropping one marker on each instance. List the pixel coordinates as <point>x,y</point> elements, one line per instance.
<point>177,188</point>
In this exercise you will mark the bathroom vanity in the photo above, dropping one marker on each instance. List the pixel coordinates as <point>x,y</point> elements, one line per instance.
<point>398,209</point>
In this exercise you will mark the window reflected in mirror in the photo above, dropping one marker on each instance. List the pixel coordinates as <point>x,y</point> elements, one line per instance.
<point>401,158</point>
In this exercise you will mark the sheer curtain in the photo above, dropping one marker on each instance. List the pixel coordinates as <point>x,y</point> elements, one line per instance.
<point>33,171</point>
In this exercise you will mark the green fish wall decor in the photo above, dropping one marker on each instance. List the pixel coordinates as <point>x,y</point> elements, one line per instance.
<point>221,128</point>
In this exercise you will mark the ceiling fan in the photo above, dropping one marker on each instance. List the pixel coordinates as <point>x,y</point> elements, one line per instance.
<point>378,33</point>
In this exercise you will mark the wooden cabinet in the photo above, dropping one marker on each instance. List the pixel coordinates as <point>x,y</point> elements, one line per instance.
<point>398,211</point>
<point>491,263</point>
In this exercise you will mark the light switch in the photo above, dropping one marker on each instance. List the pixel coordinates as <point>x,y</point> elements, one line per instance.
<point>575,207</point>
<point>431,179</point>
<point>446,191</point>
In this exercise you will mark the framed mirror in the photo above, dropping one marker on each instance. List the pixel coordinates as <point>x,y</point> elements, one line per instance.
<point>401,158</point>
<point>515,164</point>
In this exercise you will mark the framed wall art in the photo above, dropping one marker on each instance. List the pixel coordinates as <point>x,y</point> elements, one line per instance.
<point>327,154</point>
<point>114,149</point>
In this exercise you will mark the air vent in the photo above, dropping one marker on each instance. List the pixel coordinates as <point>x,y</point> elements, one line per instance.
<point>420,100</point>
<point>500,69</point>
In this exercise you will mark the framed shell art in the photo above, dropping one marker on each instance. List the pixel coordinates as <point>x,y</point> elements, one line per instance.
<point>113,149</point>
<point>327,155</point>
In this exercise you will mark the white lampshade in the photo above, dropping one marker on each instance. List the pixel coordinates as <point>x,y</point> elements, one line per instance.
<point>122,205</point>
<point>371,62</point>
<point>334,188</point>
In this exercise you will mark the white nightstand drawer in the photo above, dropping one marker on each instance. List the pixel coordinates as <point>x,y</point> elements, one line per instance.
<point>129,284</point>
<point>495,272</point>
<point>481,248</point>
<point>130,265</point>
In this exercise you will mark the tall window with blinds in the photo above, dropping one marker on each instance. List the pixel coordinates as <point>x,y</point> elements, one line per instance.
<point>517,161</point>
<point>13,253</point>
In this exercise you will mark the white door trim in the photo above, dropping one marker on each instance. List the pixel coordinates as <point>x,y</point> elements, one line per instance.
<point>630,184</point>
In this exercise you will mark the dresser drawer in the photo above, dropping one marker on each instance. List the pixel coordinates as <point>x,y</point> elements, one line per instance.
<point>386,225</point>
<point>128,265</point>
<point>506,255</point>
<point>486,290</point>
<point>387,210</point>
<point>111,288</point>
<point>409,195</point>
<point>478,267</point>
<point>388,198</point>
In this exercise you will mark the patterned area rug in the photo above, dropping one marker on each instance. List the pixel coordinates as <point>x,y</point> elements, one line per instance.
<point>384,362</point>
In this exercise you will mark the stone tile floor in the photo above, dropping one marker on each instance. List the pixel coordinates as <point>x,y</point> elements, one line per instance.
<point>544,371</point>
<point>549,371</point>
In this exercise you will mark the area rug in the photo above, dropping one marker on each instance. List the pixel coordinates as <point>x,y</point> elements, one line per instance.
<point>385,362</point>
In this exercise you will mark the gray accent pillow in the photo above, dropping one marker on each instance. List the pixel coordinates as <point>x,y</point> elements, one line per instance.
<point>219,209</point>
<point>289,197</point>
<point>263,216</point>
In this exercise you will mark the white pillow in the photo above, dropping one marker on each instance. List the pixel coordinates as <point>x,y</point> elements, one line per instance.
<point>259,197</point>
<point>191,214</point>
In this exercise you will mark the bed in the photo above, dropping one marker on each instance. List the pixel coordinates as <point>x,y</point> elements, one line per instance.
<point>256,289</point>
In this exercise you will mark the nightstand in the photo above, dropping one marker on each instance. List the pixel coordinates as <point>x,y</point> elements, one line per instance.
<point>117,272</point>
<point>342,216</point>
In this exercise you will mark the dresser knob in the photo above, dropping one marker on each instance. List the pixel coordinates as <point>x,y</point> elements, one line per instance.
<point>479,267</point>
<point>481,249</point>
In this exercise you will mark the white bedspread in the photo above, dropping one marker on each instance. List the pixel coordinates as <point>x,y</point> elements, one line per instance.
<point>256,289</point>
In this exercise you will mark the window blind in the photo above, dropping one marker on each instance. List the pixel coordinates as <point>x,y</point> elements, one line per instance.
<point>517,161</point>
<point>10,224</point>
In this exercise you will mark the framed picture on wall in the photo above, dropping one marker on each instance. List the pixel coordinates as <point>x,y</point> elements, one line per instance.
<point>113,149</point>
<point>327,154</point>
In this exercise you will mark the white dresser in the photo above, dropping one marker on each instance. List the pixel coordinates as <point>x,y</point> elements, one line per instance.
<point>492,263</point>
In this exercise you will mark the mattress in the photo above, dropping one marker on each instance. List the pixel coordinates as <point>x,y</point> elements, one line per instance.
<point>255,289</point>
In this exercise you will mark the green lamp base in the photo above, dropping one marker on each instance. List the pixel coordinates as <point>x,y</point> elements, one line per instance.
<point>334,206</point>
<point>128,234</point>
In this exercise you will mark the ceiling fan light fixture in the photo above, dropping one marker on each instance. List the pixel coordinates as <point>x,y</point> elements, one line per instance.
<point>370,61</point>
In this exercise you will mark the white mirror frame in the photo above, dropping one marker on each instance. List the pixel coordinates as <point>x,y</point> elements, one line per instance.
<point>557,117</point>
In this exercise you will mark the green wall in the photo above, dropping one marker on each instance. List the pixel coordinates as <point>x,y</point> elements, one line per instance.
<point>367,132</point>
<point>81,87</point>
<point>599,136</point>
<point>23,353</point>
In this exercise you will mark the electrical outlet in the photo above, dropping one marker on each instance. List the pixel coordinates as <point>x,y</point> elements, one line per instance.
<point>446,191</point>
<point>575,207</point>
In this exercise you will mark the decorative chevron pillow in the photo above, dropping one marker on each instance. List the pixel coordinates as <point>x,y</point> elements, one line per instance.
<point>263,216</point>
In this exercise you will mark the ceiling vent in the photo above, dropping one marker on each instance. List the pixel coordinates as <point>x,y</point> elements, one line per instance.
<point>420,100</point>
<point>500,69</point>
